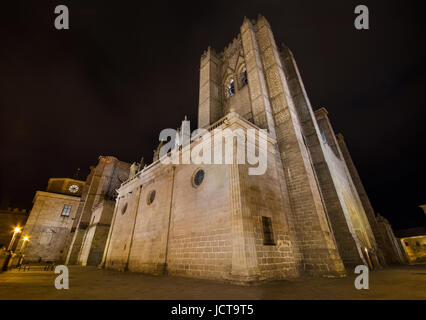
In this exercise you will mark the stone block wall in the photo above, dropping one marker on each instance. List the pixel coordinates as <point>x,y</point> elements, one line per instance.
<point>197,241</point>
<point>96,234</point>
<point>100,186</point>
<point>392,249</point>
<point>415,249</point>
<point>47,228</point>
<point>315,238</point>
<point>213,230</point>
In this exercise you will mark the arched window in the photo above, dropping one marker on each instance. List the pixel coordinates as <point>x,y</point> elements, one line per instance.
<point>244,80</point>
<point>230,88</point>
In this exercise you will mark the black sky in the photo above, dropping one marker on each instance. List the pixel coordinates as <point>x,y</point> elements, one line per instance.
<point>126,70</point>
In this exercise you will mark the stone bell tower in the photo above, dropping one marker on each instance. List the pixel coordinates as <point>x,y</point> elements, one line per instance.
<point>249,78</point>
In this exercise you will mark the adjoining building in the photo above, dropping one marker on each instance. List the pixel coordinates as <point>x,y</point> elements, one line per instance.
<point>308,214</point>
<point>86,240</point>
<point>69,222</point>
<point>50,220</point>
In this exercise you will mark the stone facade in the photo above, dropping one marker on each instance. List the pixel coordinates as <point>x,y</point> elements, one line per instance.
<point>352,230</point>
<point>50,221</point>
<point>274,103</point>
<point>391,248</point>
<point>308,214</point>
<point>388,249</point>
<point>86,241</point>
<point>413,244</point>
<point>310,200</point>
<point>415,249</point>
<point>192,231</point>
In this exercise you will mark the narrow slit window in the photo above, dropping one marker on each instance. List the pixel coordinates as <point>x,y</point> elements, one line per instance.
<point>244,79</point>
<point>268,235</point>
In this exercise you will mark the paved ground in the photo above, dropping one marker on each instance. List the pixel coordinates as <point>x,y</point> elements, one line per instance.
<point>407,282</point>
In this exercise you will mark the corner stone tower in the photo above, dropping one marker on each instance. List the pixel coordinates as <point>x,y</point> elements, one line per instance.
<point>251,77</point>
<point>86,241</point>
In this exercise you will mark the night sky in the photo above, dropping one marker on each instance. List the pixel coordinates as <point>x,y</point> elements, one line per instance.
<point>125,70</point>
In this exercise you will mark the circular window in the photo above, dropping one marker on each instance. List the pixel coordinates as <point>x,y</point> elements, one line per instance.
<point>123,210</point>
<point>151,197</point>
<point>198,177</point>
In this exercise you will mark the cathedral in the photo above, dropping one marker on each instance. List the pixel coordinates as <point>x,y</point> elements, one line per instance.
<point>307,214</point>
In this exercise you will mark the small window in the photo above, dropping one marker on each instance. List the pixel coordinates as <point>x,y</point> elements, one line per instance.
<point>230,88</point>
<point>66,210</point>
<point>198,178</point>
<point>406,244</point>
<point>244,79</point>
<point>417,244</point>
<point>268,235</point>
<point>151,197</point>
<point>124,208</point>
<point>323,136</point>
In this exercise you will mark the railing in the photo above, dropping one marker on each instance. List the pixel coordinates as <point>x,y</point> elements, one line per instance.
<point>47,266</point>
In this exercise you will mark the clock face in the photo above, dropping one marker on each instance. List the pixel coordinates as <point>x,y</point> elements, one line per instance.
<point>73,188</point>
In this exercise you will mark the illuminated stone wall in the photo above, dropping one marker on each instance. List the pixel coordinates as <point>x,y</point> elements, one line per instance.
<point>415,248</point>
<point>100,186</point>
<point>309,192</point>
<point>210,231</point>
<point>47,228</point>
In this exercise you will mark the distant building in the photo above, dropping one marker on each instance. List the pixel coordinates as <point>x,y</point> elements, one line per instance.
<point>50,220</point>
<point>414,243</point>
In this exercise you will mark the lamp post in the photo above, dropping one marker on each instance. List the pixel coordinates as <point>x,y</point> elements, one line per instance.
<point>26,238</point>
<point>9,249</point>
<point>12,241</point>
<point>21,251</point>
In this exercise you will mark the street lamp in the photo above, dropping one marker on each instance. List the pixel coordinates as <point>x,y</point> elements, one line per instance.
<point>26,238</point>
<point>21,251</point>
<point>12,241</point>
<point>9,249</point>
